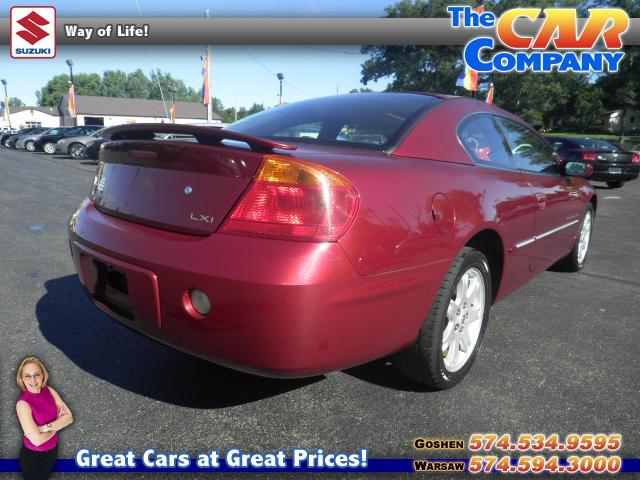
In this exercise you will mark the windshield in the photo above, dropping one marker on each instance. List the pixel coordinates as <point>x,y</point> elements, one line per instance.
<point>55,131</point>
<point>362,120</point>
<point>38,130</point>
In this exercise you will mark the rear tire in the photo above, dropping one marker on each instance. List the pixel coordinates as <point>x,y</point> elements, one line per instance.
<point>450,337</point>
<point>49,148</point>
<point>615,184</point>
<point>578,254</point>
<point>77,151</point>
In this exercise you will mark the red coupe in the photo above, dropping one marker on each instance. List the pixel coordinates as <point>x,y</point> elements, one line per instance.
<point>330,232</point>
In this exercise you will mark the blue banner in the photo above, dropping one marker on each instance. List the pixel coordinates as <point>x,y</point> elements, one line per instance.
<point>374,465</point>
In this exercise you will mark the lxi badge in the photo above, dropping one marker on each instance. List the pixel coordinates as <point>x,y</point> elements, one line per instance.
<point>33,32</point>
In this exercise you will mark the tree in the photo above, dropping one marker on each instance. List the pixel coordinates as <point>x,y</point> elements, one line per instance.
<point>138,85</point>
<point>84,84</point>
<point>245,112</point>
<point>87,84</point>
<point>414,67</point>
<point>167,81</point>
<point>360,90</point>
<point>570,99</point>
<point>115,84</point>
<point>559,100</point>
<point>50,94</point>
<point>16,102</point>
<point>623,88</point>
<point>589,109</point>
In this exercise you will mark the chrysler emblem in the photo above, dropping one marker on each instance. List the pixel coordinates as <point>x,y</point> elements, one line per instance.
<point>188,190</point>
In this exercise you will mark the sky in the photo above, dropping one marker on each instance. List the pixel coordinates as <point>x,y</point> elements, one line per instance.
<point>240,75</point>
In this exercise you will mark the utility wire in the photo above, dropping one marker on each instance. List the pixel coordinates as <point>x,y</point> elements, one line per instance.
<point>328,50</point>
<point>275,74</point>
<point>164,104</point>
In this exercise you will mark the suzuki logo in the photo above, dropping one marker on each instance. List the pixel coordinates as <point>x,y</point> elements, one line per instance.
<point>33,33</point>
<point>201,218</point>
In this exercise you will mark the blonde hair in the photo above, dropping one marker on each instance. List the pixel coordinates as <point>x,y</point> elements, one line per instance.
<point>36,361</point>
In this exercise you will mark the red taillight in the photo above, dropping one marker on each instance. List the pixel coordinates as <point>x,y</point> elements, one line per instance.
<point>295,200</point>
<point>635,158</point>
<point>589,156</point>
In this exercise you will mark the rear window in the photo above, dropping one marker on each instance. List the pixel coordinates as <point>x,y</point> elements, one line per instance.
<point>592,144</point>
<point>367,120</point>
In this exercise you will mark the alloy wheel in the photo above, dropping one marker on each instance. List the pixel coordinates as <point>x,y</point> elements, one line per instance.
<point>77,152</point>
<point>464,319</point>
<point>585,236</point>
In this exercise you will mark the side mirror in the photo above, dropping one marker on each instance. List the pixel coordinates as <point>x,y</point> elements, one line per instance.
<point>577,169</point>
<point>557,159</point>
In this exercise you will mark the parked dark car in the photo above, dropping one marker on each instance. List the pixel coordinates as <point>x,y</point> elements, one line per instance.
<point>47,143</point>
<point>610,163</point>
<point>93,148</point>
<point>6,135</point>
<point>291,256</point>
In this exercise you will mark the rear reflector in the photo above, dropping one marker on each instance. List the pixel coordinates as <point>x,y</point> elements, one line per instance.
<point>295,200</point>
<point>589,156</point>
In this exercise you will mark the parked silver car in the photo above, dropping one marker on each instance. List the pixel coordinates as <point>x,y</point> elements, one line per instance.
<point>27,142</point>
<point>76,147</point>
<point>12,141</point>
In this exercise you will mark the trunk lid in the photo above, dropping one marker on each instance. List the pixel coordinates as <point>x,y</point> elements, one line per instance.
<point>179,186</point>
<point>613,157</point>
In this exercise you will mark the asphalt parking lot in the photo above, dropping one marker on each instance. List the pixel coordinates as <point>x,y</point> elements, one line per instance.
<point>560,354</point>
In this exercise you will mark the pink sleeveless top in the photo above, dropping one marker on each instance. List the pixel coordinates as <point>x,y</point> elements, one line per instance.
<point>43,410</point>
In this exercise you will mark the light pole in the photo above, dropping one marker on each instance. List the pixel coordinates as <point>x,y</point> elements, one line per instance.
<point>206,80</point>
<point>70,63</point>
<point>280,77</point>
<point>6,103</point>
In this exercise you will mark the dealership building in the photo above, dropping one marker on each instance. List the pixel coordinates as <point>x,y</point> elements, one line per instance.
<point>109,111</point>
<point>22,117</point>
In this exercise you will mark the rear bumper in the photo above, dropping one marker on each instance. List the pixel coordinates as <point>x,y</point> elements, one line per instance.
<point>279,308</point>
<point>606,172</point>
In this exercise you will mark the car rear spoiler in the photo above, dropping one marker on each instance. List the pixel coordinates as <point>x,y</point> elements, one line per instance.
<point>204,135</point>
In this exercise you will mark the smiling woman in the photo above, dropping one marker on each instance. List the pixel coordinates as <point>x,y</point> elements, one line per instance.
<point>41,413</point>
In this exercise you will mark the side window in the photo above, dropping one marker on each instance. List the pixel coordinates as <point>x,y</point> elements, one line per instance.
<point>485,143</point>
<point>558,144</point>
<point>307,130</point>
<point>531,152</point>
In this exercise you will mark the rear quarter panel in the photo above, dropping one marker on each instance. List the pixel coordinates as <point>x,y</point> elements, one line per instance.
<point>395,228</point>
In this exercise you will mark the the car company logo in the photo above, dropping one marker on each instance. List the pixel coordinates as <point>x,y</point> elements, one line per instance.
<point>33,32</point>
<point>560,43</point>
